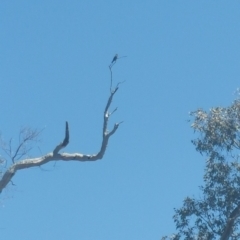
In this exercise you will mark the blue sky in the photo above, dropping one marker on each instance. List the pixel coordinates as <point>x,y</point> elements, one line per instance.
<point>181,55</point>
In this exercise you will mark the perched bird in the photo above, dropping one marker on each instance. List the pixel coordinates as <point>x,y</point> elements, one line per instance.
<point>115,58</point>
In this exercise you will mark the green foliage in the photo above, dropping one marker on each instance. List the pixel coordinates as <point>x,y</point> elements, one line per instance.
<point>215,215</point>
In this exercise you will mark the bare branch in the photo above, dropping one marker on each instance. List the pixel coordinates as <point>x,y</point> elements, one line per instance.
<point>110,68</point>
<point>115,58</point>
<point>56,156</point>
<point>26,135</point>
<point>110,113</point>
<point>65,141</point>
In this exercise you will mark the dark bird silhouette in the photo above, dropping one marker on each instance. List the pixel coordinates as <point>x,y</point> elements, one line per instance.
<point>115,58</point>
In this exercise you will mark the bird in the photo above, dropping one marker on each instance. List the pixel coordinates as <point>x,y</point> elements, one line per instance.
<point>115,58</point>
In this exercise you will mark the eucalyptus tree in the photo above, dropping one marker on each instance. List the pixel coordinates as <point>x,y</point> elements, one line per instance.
<point>215,215</point>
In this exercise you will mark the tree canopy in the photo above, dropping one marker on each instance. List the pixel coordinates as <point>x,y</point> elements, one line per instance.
<point>27,136</point>
<point>216,214</point>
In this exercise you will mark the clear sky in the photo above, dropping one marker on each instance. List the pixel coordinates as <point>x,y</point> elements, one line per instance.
<point>181,55</point>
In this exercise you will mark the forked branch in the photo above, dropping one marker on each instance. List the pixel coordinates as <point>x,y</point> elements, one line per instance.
<point>230,223</point>
<point>56,156</point>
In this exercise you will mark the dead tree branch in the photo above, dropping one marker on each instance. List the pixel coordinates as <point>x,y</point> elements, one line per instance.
<point>25,139</point>
<point>56,156</point>
<point>115,58</point>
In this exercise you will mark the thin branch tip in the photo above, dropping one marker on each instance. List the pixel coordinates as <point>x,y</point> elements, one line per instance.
<point>116,125</point>
<point>27,135</point>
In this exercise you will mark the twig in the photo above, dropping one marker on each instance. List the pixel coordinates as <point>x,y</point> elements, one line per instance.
<point>56,156</point>
<point>115,58</point>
